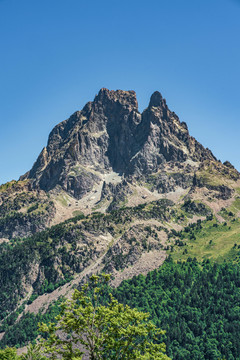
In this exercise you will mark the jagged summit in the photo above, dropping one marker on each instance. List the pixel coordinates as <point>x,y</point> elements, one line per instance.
<point>110,134</point>
<point>125,98</point>
<point>157,100</point>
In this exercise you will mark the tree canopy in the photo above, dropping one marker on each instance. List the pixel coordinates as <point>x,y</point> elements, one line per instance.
<point>113,331</point>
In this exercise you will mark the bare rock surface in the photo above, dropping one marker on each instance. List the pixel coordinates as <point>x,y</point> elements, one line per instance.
<point>110,134</point>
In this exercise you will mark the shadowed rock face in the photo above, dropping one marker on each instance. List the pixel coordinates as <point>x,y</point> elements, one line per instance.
<point>110,134</point>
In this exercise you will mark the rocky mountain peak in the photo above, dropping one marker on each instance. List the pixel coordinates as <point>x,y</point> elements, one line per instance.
<point>157,100</point>
<point>110,134</point>
<point>125,98</point>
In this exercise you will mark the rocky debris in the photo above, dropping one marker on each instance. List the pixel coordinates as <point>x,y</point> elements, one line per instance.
<point>147,262</point>
<point>129,248</point>
<point>165,182</point>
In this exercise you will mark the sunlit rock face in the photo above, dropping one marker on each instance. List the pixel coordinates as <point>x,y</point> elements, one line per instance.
<point>110,134</point>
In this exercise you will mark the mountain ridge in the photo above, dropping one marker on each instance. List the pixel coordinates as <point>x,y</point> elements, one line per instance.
<point>110,133</point>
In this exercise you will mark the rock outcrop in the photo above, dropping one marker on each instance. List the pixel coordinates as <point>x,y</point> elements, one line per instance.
<point>110,134</point>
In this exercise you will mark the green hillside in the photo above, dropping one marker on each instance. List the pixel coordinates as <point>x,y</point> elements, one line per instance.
<point>209,239</point>
<point>196,303</point>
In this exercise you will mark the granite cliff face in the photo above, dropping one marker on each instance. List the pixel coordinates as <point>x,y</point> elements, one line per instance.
<point>110,134</point>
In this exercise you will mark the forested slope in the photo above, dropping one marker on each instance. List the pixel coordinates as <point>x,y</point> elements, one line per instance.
<point>119,191</point>
<point>196,303</point>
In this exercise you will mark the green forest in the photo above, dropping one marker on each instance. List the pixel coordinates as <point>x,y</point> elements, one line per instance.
<point>197,303</point>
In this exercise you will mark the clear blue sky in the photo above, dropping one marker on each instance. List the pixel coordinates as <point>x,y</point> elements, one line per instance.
<point>56,55</point>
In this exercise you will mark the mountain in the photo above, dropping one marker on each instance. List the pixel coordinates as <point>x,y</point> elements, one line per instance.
<point>110,135</point>
<point>114,190</point>
<point>105,154</point>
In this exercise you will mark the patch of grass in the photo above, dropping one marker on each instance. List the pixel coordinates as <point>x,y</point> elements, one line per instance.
<point>10,184</point>
<point>148,207</point>
<point>213,241</point>
<point>238,190</point>
<point>122,204</point>
<point>63,199</point>
<point>75,171</point>
<point>226,214</point>
<point>100,204</point>
<point>180,217</point>
<point>235,207</point>
<point>210,179</point>
<point>7,186</point>
<point>77,213</point>
<point>148,186</point>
